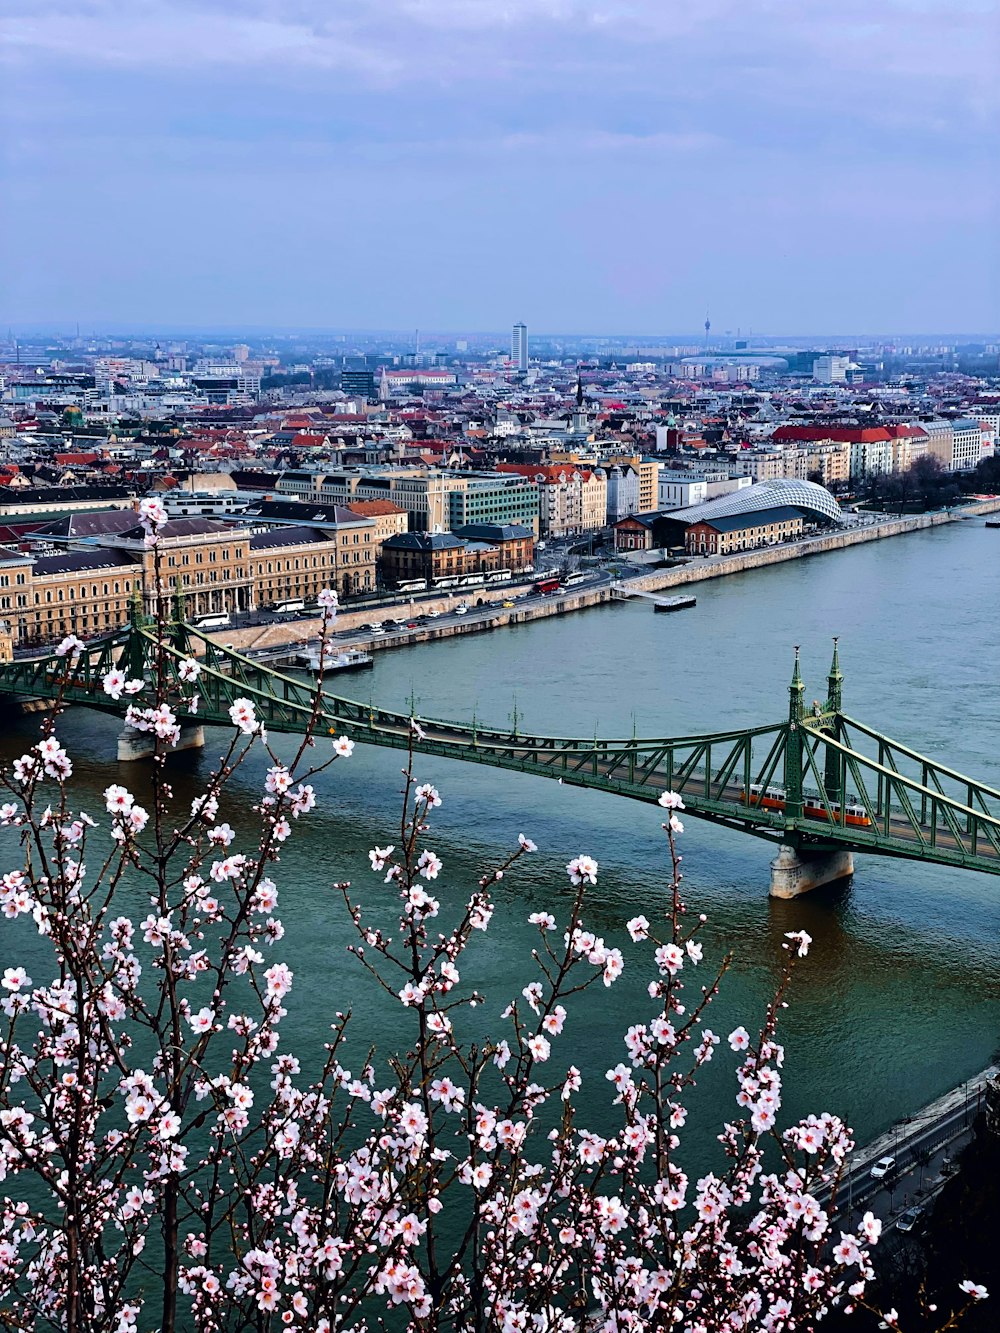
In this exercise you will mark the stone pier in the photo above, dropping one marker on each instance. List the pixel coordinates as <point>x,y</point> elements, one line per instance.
<point>796,870</point>
<point>134,744</point>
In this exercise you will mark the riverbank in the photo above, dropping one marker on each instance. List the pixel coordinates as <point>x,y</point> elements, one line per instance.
<point>477,622</point>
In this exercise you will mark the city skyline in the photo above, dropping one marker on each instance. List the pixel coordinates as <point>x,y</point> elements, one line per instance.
<point>456,165</point>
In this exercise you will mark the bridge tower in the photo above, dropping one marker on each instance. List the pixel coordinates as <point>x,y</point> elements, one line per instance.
<point>834,704</point>
<point>793,748</point>
<point>801,865</point>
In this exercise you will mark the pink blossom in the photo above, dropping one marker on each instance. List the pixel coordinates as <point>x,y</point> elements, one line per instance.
<point>244,716</point>
<point>582,870</point>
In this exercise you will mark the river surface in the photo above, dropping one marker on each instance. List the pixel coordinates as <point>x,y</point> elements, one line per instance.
<point>899,998</point>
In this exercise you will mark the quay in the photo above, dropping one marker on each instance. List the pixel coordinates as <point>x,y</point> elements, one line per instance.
<point>492,614</point>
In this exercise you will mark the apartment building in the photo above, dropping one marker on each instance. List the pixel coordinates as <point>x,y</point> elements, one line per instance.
<point>570,499</point>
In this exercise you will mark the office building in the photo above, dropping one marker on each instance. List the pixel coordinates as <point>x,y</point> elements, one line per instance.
<point>519,347</point>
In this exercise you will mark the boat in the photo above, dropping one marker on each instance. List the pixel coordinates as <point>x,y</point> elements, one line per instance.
<point>675,603</point>
<point>347,659</point>
<point>993,522</point>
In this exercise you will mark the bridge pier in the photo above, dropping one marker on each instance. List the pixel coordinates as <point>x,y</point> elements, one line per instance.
<point>134,744</point>
<point>796,870</point>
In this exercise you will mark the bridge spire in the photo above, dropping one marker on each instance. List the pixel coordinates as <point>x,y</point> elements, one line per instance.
<point>835,682</point>
<point>796,690</point>
<point>833,775</point>
<point>793,748</point>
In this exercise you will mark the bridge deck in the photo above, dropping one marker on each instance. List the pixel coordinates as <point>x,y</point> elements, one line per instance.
<point>905,804</point>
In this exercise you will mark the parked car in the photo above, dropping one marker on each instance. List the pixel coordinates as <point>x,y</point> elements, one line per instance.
<point>508,603</point>
<point>909,1219</point>
<point>375,628</point>
<point>461,610</point>
<point>431,615</point>
<point>885,1166</point>
<point>412,624</point>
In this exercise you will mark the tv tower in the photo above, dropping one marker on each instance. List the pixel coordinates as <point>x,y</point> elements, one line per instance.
<point>708,328</point>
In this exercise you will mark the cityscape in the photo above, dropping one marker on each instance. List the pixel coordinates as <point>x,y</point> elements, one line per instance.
<point>499,585</point>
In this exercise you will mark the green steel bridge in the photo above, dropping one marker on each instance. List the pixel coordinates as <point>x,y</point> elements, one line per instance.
<point>817,782</point>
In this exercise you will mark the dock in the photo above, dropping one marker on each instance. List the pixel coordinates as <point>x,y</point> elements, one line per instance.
<point>625,594</point>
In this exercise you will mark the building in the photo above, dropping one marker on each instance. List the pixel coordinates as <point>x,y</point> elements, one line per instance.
<point>208,560</point>
<point>743,532</point>
<point>515,543</point>
<point>423,555</point>
<point>831,369</point>
<point>437,500</point>
<point>909,443</point>
<point>519,347</point>
<point>389,518</point>
<point>622,484</point>
<point>570,499</point>
<point>680,490</point>
<point>815,502</point>
<point>956,444</point>
<point>87,593</point>
<point>297,563</point>
<point>636,532</point>
<point>359,384</point>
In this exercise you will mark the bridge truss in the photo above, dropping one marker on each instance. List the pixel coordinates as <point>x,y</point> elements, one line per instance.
<point>817,779</point>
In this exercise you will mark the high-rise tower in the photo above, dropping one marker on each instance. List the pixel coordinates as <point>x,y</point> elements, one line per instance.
<point>519,347</point>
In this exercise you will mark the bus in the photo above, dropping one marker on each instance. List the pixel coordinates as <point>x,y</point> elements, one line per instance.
<point>773,798</point>
<point>471,580</point>
<point>220,620</point>
<point>546,585</point>
<point>290,606</point>
<point>572,579</point>
<point>500,576</point>
<point>412,585</point>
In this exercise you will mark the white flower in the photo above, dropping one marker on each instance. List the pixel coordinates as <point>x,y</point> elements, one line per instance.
<point>118,800</point>
<point>201,1021</point>
<point>327,603</point>
<point>429,864</point>
<point>152,514</point>
<point>638,928</point>
<point>70,645</point>
<point>343,747</point>
<point>425,792</point>
<point>243,716</point>
<point>526,844</point>
<point>803,939</point>
<point>582,870</point>
<point>973,1289</point>
<point>739,1039</point>
<point>189,669</point>
<point>14,978</point>
<point>379,855</point>
<point>670,801</point>
<point>114,683</point>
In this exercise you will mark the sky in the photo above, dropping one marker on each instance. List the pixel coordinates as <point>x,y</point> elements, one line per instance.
<point>619,166</point>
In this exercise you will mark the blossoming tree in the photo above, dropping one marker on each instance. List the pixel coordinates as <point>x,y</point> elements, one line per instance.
<point>168,1162</point>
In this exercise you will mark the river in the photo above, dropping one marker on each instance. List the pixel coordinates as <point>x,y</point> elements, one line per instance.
<point>899,998</point>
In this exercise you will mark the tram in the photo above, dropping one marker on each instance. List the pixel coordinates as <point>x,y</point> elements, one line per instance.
<point>773,798</point>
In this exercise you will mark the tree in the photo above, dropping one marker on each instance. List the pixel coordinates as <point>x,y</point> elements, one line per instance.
<point>174,1165</point>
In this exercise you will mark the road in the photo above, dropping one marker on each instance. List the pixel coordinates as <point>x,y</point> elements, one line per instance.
<point>939,1130</point>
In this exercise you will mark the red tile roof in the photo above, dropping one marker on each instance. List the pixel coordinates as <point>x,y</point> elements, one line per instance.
<point>839,434</point>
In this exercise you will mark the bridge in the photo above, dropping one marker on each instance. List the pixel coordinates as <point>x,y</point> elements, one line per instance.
<point>817,783</point>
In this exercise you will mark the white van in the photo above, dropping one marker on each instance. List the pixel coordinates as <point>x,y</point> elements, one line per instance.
<point>219,621</point>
